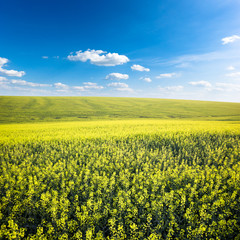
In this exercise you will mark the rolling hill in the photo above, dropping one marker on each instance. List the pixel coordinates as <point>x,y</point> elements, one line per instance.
<point>44,109</point>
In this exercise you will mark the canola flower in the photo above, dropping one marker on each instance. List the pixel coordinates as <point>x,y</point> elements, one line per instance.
<point>123,179</point>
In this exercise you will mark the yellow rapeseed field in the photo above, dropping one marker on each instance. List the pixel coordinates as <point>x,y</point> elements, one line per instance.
<point>120,179</point>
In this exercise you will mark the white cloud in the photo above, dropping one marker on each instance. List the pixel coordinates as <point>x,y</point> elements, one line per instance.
<point>61,85</point>
<point>3,61</point>
<point>201,84</point>
<point>228,87</point>
<point>88,86</point>
<point>174,88</point>
<point>24,90</point>
<point>139,68</point>
<point>93,87</point>
<point>171,88</point>
<point>79,88</point>
<point>166,75</point>
<point>146,79</point>
<point>183,65</point>
<point>118,86</point>
<point>62,91</point>
<point>2,79</point>
<point>30,84</point>
<point>90,83</point>
<point>12,73</point>
<point>99,57</point>
<point>3,83</point>
<point>117,76</point>
<point>230,39</point>
<point>124,89</point>
<point>230,68</point>
<point>205,57</point>
<point>234,74</point>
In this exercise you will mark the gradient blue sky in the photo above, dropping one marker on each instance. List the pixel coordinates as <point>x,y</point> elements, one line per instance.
<point>162,49</point>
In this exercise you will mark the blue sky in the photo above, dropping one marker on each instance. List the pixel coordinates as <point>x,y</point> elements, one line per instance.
<point>160,49</point>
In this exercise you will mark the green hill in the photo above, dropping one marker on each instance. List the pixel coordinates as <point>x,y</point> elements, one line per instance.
<point>39,109</point>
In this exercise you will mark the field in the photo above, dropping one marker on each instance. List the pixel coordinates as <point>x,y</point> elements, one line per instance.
<point>45,109</point>
<point>119,168</point>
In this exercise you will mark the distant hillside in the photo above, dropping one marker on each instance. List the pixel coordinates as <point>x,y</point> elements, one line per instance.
<point>39,109</point>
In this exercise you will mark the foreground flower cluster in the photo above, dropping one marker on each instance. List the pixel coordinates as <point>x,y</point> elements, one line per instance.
<point>173,185</point>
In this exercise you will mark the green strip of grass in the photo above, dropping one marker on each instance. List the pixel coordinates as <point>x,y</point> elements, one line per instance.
<point>44,109</point>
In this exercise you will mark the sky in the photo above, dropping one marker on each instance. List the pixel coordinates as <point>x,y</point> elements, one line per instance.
<point>156,49</point>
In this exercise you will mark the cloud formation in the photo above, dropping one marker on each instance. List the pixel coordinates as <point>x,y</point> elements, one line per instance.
<point>117,76</point>
<point>3,61</point>
<point>99,57</point>
<point>223,55</point>
<point>171,88</point>
<point>88,86</point>
<point>30,84</point>
<point>230,39</point>
<point>60,85</point>
<point>166,75</point>
<point>3,79</point>
<point>91,85</point>
<point>146,79</point>
<point>11,73</point>
<point>79,88</point>
<point>139,68</point>
<point>230,68</point>
<point>228,87</point>
<point>234,74</point>
<point>118,86</point>
<point>17,84</point>
<point>201,84</point>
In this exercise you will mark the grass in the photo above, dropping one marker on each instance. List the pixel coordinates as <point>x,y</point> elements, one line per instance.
<point>49,109</point>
